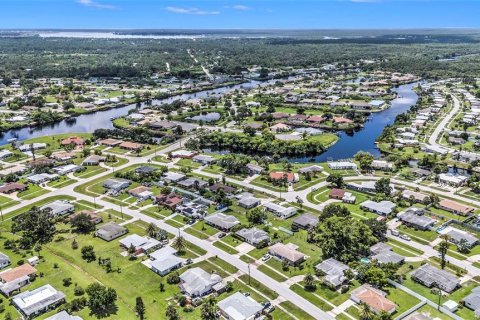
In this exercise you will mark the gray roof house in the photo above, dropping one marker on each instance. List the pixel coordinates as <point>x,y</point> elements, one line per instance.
<point>410,217</point>
<point>63,315</point>
<point>254,169</point>
<point>388,257</point>
<point>305,221</point>
<point>280,211</point>
<point>204,159</point>
<point>380,247</point>
<point>172,176</point>
<point>472,301</point>
<point>221,221</point>
<point>110,231</point>
<point>239,307</point>
<point>196,282</point>
<point>431,276</point>
<point>313,168</point>
<point>38,301</point>
<point>193,182</point>
<point>383,208</point>
<point>4,260</point>
<point>253,236</point>
<point>116,184</point>
<point>457,235</point>
<point>248,202</point>
<point>333,271</point>
<point>59,207</point>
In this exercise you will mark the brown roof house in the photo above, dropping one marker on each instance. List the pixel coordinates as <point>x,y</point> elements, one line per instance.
<point>287,253</point>
<point>374,298</point>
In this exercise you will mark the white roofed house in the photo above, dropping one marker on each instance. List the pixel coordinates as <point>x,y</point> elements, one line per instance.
<point>35,302</point>
<point>382,208</point>
<point>59,207</point>
<point>204,159</point>
<point>164,260</point>
<point>141,244</point>
<point>280,211</point>
<point>333,272</point>
<point>222,221</point>
<point>4,260</point>
<point>431,276</point>
<point>239,307</point>
<point>254,236</point>
<point>196,282</point>
<point>382,165</point>
<point>342,165</point>
<point>42,178</point>
<point>452,180</point>
<point>63,170</point>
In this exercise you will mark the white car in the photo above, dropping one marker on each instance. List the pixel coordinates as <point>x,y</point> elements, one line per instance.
<point>404,237</point>
<point>266,257</point>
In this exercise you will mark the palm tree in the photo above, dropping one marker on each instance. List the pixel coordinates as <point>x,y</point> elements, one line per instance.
<point>209,309</point>
<point>443,249</point>
<point>171,313</point>
<point>309,282</point>
<point>152,230</point>
<point>179,244</point>
<point>365,312</point>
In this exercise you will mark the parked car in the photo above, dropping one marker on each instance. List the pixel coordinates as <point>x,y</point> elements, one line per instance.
<point>404,237</point>
<point>270,308</point>
<point>189,261</point>
<point>246,294</point>
<point>221,235</point>
<point>394,232</point>
<point>266,304</point>
<point>266,257</point>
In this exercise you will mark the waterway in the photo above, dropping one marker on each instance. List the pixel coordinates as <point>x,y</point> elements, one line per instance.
<point>345,148</point>
<point>364,139</point>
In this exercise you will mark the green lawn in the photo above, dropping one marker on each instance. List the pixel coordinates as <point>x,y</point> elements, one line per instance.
<point>224,247</point>
<point>32,192</point>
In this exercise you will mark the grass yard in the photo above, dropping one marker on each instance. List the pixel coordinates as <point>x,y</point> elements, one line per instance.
<point>224,247</point>
<point>32,192</point>
<point>296,311</point>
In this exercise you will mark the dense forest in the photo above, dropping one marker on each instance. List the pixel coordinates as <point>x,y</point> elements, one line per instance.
<point>422,54</point>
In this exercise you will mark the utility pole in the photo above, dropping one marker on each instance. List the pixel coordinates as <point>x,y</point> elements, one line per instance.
<point>249,274</point>
<point>94,202</point>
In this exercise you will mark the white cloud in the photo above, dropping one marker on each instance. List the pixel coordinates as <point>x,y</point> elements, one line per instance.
<point>184,10</point>
<point>94,4</point>
<point>240,7</point>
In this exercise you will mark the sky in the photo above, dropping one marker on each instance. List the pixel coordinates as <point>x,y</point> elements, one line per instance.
<point>231,14</point>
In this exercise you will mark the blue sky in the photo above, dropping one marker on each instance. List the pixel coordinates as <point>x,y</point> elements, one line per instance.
<point>213,14</point>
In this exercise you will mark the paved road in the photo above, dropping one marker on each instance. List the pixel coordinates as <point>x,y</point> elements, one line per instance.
<point>443,124</point>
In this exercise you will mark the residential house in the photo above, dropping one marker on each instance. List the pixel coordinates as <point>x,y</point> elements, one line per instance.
<point>382,165</point>
<point>142,193</point>
<point>452,180</point>
<point>193,183</point>
<point>219,186</point>
<point>374,298</point>
<point>254,169</point>
<point>172,176</point>
<point>204,159</point>
<point>63,315</point>
<point>4,260</point>
<point>342,165</point>
<point>11,187</point>
<point>417,196</point>
<point>431,276</point>
<point>38,301</point>
<point>458,236</point>
<point>287,253</point>
<point>132,146</point>
<point>280,127</point>
<point>93,160</point>
<point>170,201</point>
<point>383,208</point>
<point>110,142</point>
<point>333,272</point>
<point>116,184</point>
<point>66,169</point>
<point>306,221</point>
<point>362,186</point>
<point>411,217</point>
<point>141,244</point>
<point>455,207</point>
<point>14,279</point>
<point>4,153</point>
<point>164,260</point>
<point>280,211</point>
<point>311,169</point>
<point>279,175</point>
<point>254,236</point>
<point>472,301</point>
<point>196,282</point>
<point>239,307</point>
<point>222,221</point>
<point>249,202</point>
<point>59,207</point>
<point>184,154</point>
<point>93,217</point>
<point>42,178</point>
<point>110,231</point>
<point>77,141</point>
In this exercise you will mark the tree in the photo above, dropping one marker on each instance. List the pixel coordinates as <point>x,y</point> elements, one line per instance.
<point>371,273</point>
<point>443,249</point>
<point>88,253</point>
<point>365,312</point>
<point>179,244</point>
<point>343,238</point>
<point>365,160</point>
<point>152,230</point>
<point>35,226</point>
<point>383,186</point>
<point>336,180</point>
<point>309,281</point>
<point>256,216</point>
<point>171,313</point>
<point>463,246</point>
<point>140,308</point>
<point>378,228</point>
<point>81,223</point>
<point>101,299</point>
<point>334,210</point>
<point>209,309</point>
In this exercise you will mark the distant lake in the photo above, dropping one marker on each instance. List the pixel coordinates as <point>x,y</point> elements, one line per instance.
<point>208,117</point>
